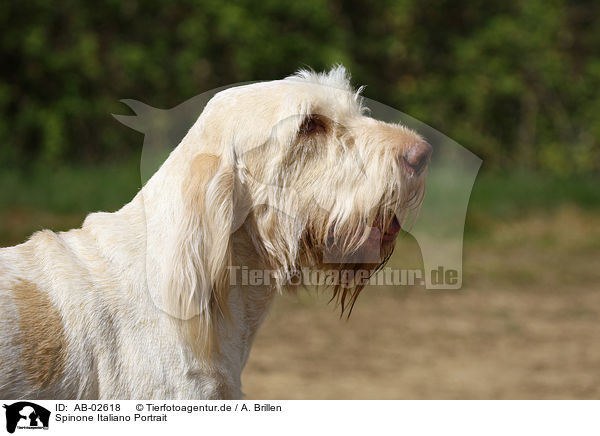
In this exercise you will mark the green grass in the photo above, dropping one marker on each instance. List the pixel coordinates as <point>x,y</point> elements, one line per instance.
<point>67,190</point>
<point>507,195</point>
<point>79,189</point>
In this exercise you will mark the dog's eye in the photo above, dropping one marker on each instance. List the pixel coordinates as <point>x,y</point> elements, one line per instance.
<point>312,125</point>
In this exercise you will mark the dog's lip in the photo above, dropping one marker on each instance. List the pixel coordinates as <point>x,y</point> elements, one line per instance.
<point>388,235</point>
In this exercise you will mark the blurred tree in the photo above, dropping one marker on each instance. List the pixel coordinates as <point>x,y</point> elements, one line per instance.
<point>514,81</point>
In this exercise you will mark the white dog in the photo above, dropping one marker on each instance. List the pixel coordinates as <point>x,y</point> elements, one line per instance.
<point>140,303</point>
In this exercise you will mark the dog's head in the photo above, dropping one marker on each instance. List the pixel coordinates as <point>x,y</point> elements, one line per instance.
<point>300,166</point>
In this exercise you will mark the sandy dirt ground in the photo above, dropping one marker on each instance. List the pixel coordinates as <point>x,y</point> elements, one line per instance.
<point>525,325</point>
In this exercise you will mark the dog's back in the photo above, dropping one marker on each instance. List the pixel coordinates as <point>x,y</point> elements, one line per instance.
<point>12,378</point>
<point>35,344</point>
<point>73,326</point>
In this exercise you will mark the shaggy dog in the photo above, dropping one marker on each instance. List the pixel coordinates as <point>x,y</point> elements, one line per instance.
<point>275,176</point>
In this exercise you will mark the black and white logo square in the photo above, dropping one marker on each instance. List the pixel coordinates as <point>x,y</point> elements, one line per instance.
<point>26,416</point>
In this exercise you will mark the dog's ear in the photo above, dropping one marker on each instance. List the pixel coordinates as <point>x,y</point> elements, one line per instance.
<point>200,255</point>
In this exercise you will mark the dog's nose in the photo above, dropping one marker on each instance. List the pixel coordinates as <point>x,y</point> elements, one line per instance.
<point>417,156</point>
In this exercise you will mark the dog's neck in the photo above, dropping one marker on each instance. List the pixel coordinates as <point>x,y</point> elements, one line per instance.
<point>219,372</point>
<point>248,304</point>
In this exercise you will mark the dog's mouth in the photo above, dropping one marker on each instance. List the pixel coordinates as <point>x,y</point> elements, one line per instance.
<point>383,231</point>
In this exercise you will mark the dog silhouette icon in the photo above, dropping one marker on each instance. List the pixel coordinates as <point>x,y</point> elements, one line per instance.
<point>31,414</point>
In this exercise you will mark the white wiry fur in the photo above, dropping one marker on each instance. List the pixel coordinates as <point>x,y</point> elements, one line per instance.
<point>267,178</point>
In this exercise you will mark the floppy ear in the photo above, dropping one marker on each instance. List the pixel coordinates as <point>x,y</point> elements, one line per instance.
<point>198,271</point>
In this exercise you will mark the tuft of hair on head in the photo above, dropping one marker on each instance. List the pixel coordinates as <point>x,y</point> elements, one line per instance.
<point>337,77</point>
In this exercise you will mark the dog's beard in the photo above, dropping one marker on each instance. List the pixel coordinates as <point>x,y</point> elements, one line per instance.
<point>354,268</point>
<point>357,266</point>
<point>359,248</point>
<point>353,249</point>
<point>345,293</point>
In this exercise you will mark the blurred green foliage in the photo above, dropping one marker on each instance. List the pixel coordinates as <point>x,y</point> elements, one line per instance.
<point>514,81</point>
<point>79,189</point>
